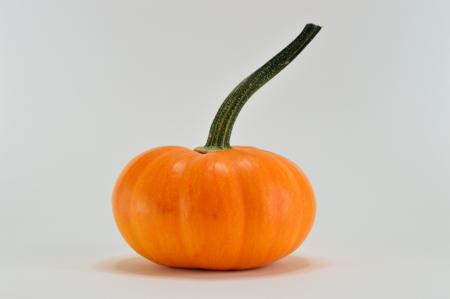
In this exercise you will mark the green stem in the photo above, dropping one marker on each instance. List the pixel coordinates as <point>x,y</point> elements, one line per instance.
<point>222,126</point>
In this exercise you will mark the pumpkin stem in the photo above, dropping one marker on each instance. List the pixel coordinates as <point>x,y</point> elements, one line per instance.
<point>220,131</point>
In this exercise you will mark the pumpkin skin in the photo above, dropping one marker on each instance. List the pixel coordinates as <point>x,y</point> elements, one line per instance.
<point>233,209</point>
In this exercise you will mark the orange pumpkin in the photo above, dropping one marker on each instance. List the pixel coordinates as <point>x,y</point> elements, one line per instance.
<point>217,206</point>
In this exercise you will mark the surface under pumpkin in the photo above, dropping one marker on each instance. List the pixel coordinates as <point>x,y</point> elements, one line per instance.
<point>217,207</point>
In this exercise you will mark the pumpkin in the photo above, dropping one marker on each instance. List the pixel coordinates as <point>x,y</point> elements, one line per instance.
<point>216,206</point>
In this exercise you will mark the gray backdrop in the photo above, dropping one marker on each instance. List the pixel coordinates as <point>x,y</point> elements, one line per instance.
<point>364,110</point>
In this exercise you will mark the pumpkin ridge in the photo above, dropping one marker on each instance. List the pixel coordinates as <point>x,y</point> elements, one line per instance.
<point>134,225</point>
<point>283,163</point>
<point>123,179</point>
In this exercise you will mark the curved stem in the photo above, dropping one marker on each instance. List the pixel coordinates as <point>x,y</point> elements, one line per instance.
<point>222,126</point>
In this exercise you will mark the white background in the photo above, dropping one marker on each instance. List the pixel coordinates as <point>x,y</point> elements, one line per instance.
<point>364,110</point>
